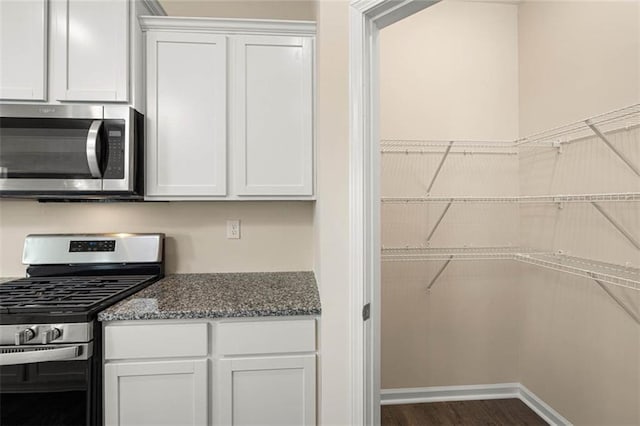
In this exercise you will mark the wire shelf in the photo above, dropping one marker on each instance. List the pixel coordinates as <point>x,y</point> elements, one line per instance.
<point>399,146</point>
<point>543,199</point>
<point>617,275</point>
<point>452,253</point>
<point>609,273</point>
<point>624,118</point>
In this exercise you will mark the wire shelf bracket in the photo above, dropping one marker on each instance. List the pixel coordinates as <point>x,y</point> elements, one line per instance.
<point>620,303</point>
<point>440,271</point>
<point>433,230</point>
<point>616,225</point>
<point>435,175</point>
<point>613,148</point>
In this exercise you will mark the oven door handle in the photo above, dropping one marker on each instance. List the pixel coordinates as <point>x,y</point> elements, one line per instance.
<point>44,355</point>
<point>92,148</point>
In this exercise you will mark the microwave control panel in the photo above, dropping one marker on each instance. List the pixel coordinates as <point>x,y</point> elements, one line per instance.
<point>114,131</point>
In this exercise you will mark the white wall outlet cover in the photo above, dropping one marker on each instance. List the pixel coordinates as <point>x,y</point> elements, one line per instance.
<point>233,229</point>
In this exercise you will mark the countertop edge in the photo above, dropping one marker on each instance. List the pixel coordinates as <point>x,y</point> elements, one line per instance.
<point>206,315</point>
<point>272,294</point>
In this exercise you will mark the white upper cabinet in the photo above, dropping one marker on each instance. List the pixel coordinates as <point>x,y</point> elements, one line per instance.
<point>234,124</point>
<point>273,121</point>
<point>58,51</point>
<point>23,48</point>
<point>91,50</point>
<point>186,114</point>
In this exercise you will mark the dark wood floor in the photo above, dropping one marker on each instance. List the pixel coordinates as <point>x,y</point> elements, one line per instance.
<point>471,413</point>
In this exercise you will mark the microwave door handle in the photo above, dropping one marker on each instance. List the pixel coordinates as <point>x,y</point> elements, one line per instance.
<point>92,148</point>
<point>58,354</point>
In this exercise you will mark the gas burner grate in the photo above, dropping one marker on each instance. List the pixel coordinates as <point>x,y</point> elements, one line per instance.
<point>65,293</point>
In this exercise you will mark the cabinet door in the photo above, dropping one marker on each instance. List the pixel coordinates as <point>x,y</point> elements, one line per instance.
<point>23,43</point>
<point>91,50</point>
<point>269,391</point>
<point>273,115</point>
<point>186,115</point>
<point>156,393</point>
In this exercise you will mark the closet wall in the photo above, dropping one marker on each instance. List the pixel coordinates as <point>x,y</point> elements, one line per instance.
<point>499,71</point>
<point>580,351</point>
<point>450,72</point>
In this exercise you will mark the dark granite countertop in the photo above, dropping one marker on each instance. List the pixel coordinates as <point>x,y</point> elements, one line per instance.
<point>221,295</point>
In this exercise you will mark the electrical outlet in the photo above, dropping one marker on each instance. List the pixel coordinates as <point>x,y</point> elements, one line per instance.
<point>233,229</point>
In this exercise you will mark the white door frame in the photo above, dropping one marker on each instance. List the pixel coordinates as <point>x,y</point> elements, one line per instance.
<point>367,18</point>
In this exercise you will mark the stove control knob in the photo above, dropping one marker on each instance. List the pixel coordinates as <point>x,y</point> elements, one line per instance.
<point>51,335</point>
<point>25,335</point>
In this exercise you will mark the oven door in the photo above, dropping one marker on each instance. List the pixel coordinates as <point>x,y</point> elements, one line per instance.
<point>51,154</point>
<point>47,385</point>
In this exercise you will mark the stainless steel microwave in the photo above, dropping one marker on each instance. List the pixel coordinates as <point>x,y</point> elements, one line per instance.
<point>71,152</point>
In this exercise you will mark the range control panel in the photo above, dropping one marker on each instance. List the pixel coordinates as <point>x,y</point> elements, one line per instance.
<point>76,246</point>
<point>76,249</point>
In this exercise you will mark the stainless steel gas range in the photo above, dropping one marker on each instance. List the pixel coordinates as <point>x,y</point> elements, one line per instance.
<point>50,340</point>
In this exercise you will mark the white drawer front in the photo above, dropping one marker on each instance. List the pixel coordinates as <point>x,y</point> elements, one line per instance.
<point>265,337</point>
<point>155,341</point>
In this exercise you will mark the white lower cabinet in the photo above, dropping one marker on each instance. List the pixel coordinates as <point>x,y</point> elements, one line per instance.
<point>221,372</point>
<point>156,393</point>
<point>267,391</point>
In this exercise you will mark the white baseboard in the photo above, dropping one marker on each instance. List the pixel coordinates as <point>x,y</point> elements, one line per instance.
<point>473,392</point>
<point>449,393</point>
<point>541,408</point>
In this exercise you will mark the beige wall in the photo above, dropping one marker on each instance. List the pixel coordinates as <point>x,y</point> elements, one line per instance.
<point>276,236</point>
<point>580,352</point>
<point>577,59</point>
<point>248,9</point>
<point>450,72</point>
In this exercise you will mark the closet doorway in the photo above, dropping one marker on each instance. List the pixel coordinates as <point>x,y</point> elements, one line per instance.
<point>498,148</point>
